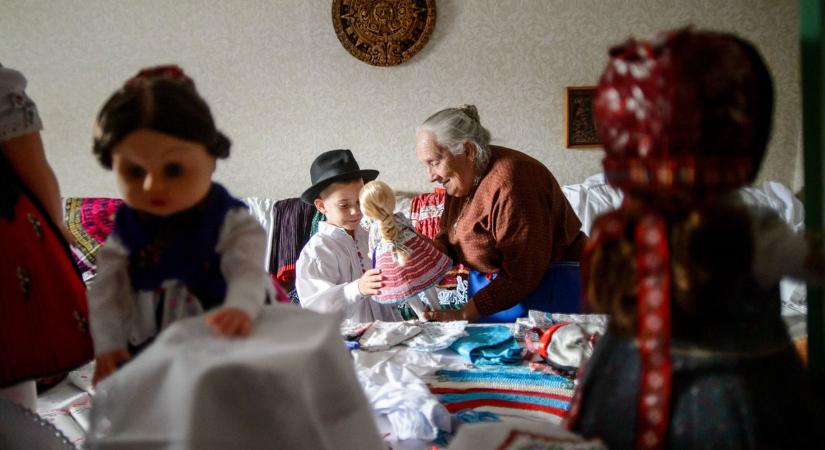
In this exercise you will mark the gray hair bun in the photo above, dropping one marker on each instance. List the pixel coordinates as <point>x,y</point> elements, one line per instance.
<point>471,111</point>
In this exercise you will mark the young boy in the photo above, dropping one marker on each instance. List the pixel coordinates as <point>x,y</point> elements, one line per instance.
<point>334,271</point>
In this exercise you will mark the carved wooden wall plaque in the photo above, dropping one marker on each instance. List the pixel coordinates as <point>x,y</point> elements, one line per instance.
<point>383,32</point>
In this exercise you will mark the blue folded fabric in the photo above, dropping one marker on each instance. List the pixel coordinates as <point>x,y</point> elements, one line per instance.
<point>488,346</point>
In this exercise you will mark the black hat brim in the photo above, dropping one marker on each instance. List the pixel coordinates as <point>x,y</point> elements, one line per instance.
<point>314,191</point>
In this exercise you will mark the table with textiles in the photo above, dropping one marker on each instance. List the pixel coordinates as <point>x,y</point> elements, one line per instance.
<point>427,380</point>
<point>422,381</point>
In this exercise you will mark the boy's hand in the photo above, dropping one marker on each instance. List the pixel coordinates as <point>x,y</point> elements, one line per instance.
<point>108,363</point>
<point>229,321</point>
<point>370,282</point>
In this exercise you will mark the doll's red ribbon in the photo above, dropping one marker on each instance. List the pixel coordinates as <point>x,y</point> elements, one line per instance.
<point>653,328</point>
<point>171,71</point>
<point>653,331</point>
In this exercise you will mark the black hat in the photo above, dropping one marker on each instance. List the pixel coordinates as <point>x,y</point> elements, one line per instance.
<point>332,166</point>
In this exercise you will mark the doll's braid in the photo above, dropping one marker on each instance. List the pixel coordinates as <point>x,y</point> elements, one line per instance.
<point>378,203</point>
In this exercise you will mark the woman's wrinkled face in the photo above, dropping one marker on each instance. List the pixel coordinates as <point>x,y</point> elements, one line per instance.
<point>340,203</point>
<point>454,172</point>
<point>160,174</point>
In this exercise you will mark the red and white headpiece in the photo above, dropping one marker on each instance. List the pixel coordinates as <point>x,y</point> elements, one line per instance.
<point>690,112</point>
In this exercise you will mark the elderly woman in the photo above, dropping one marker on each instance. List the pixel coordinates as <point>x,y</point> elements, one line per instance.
<point>505,216</point>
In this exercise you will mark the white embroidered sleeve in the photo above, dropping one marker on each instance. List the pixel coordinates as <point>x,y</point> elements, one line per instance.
<point>319,281</point>
<point>111,306</point>
<point>242,245</point>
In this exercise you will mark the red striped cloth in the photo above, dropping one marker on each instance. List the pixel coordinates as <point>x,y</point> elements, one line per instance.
<point>515,392</point>
<point>425,214</point>
<point>426,210</point>
<point>488,398</point>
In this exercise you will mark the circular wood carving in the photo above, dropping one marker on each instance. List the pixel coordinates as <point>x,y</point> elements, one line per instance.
<point>383,32</point>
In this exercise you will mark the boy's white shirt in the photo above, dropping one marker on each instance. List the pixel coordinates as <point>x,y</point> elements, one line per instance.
<point>119,315</point>
<point>327,274</point>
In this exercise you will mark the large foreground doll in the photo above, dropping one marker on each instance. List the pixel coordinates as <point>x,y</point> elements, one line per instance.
<point>696,355</point>
<point>181,244</point>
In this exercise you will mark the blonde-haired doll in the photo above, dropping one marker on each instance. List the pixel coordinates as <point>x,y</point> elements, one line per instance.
<point>410,264</point>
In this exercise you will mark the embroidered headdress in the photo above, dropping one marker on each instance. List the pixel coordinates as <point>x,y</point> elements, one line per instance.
<point>689,113</point>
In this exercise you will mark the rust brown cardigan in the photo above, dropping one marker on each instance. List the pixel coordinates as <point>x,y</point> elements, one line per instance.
<point>514,223</point>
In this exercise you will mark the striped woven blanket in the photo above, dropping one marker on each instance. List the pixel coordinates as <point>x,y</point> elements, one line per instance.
<point>509,391</point>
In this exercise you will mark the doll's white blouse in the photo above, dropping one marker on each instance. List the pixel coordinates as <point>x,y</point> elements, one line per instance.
<point>327,274</point>
<point>118,314</point>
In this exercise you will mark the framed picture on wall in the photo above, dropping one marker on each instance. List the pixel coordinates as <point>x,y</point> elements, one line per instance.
<point>579,126</point>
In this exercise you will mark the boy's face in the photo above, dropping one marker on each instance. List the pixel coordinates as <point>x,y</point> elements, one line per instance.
<point>161,174</point>
<point>339,202</point>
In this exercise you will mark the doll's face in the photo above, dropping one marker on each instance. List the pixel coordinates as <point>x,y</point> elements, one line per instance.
<point>160,174</point>
<point>340,203</point>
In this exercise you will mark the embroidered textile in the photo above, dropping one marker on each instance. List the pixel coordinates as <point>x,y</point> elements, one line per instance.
<point>90,220</point>
<point>292,221</point>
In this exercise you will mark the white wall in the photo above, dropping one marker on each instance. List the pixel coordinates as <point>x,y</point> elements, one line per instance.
<point>284,89</point>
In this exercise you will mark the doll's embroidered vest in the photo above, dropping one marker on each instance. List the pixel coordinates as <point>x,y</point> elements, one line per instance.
<point>179,247</point>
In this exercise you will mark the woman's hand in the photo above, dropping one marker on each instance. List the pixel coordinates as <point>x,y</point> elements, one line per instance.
<point>469,313</point>
<point>108,363</point>
<point>370,282</point>
<point>229,321</point>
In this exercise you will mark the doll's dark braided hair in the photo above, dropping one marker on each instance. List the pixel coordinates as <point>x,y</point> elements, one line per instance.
<point>162,99</point>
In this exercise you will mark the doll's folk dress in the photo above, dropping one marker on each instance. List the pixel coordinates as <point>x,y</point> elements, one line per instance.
<point>422,269</point>
<point>44,327</point>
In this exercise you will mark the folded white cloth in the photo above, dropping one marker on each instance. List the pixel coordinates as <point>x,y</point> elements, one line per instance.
<point>437,336</point>
<point>351,330</point>
<point>422,364</point>
<point>290,385</point>
<point>383,335</point>
<point>404,399</point>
